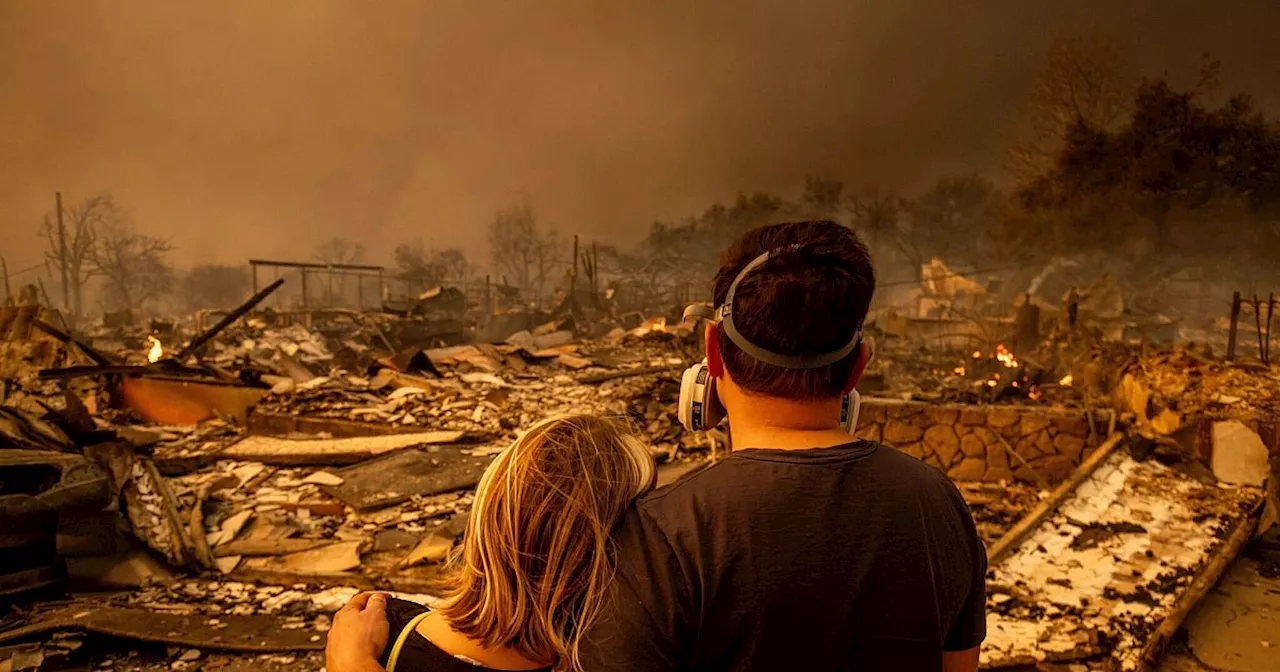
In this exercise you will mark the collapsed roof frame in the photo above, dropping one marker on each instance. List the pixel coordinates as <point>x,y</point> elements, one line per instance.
<point>361,272</point>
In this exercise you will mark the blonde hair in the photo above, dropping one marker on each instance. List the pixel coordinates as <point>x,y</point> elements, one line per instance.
<point>536,560</point>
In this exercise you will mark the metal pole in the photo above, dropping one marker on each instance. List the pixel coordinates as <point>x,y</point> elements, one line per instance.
<point>1257,319</point>
<point>62,254</point>
<point>199,341</point>
<point>488,300</point>
<point>1271,306</point>
<point>304,287</point>
<point>573,277</point>
<point>1235,321</point>
<point>255,276</point>
<point>8,295</point>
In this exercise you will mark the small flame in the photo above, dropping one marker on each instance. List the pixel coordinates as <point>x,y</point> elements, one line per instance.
<point>1066,381</point>
<point>991,383</point>
<point>977,354</point>
<point>156,351</point>
<point>653,324</point>
<point>1034,393</point>
<point>1006,357</point>
<point>959,371</point>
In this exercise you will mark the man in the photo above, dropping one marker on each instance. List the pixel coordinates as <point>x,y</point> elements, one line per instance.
<point>804,549</point>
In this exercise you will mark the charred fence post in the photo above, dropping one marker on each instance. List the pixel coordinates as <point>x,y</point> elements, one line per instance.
<point>1271,306</point>
<point>1257,320</point>
<point>1235,321</point>
<point>304,286</point>
<point>4,268</point>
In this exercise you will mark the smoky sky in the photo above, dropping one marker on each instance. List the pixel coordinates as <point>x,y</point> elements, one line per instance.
<point>241,129</point>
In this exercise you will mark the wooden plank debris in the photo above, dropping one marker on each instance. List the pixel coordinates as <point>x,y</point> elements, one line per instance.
<point>398,477</point>
<point>270,450</point>
<point>254,633</point>
<point>434,548</point>
<point>267,547</point>
<point>1124,552</point>
<point>627,373</point>
<point>1037,515</point>
<point>1204,582</point>
<point>328,559</point>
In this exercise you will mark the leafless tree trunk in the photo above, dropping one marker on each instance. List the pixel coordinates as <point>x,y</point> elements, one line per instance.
<point>520,251</point>
<point>1085,78</point>
<point>72,235</point>
<point>133,264</point>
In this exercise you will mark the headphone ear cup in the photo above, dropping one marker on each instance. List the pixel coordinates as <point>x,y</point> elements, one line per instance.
<point>850,405</point>
<point>699,408</point>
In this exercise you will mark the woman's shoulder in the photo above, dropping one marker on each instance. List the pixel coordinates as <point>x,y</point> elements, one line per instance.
<point>419,654</point>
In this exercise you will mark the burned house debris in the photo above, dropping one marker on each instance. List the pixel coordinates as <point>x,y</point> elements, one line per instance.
<point>213,488</point>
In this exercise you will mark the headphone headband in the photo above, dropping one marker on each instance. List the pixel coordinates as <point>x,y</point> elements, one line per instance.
<point>724,314</point>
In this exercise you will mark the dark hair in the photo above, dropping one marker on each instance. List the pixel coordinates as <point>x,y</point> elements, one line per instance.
<point>808,300</point>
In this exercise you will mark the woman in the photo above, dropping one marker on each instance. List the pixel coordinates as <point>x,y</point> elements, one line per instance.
<point>532,570</point>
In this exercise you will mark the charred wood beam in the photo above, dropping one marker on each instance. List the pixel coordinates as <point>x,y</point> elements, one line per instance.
<point>302,264</point>
<point>160,368</point>
<point>1235,322</point>
<point>1205,580</point>
<point>199,341</point>
<point>98,357</point>
<point>1029,522</point>
<point>627,373</point>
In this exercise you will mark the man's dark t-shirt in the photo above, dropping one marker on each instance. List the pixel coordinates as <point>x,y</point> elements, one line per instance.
<point>856,557</point>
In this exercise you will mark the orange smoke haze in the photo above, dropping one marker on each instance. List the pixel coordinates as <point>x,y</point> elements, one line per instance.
<point>249,128</point>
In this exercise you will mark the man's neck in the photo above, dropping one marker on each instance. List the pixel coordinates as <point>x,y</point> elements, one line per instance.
<point>782,424</point>
<point>783,438</point>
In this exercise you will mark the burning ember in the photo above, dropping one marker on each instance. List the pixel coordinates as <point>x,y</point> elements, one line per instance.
<point>1066,380</point>
<point>1006,357</point>
<point>653,324</point>
<point>157,349</point>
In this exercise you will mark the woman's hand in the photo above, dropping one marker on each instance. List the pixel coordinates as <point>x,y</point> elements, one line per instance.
<point>358,635</point>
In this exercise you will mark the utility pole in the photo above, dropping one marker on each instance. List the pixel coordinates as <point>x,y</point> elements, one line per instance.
<point>4,267</point>
<point>573,275</point>
<point>595,271</point>
<point>62,253</point>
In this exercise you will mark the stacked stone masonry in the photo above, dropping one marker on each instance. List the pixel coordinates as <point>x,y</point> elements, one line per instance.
<point>972,443</point>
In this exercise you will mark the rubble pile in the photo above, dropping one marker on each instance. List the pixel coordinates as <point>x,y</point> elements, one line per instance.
<point>254,516</point>
<point>997,507</point>
<point>1093,582</point>
<point>1165,390</point>
<point>986,375</point>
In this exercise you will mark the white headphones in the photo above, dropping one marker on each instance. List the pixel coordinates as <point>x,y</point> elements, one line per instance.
<point>700,407</point>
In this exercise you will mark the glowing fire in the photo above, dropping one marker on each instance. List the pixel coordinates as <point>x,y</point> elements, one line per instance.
<point>977,354</point>
<point>652,324</point>
<point>959,371</point>
<point>1066,380</point>
<point>156,351</point>
<point>1006,357</point>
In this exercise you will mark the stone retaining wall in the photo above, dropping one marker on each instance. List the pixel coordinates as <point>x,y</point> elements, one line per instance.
<point>971,443</point>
